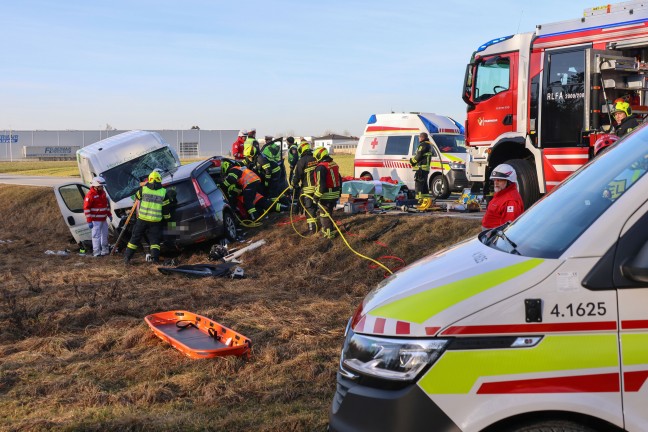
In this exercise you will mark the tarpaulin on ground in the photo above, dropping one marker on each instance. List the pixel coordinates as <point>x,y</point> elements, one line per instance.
<point>387,190</point>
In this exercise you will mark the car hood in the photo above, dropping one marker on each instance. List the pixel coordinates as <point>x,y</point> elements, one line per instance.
<point>436,291</point>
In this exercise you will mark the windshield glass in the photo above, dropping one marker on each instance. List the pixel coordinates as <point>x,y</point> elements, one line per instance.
<point>123,180</point>
<point>547,229</point>
<point>448,143</point>
<point>492,77</point>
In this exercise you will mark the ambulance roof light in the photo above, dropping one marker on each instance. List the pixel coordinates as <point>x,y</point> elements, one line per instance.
<point>372,119</point>
<point>431,127</point>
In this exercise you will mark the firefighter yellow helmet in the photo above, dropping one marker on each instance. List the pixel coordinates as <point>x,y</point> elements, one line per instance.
<point>155,177</point>
<point>250,151</point>
<point>623,107</point>
<point>303,147</point>
<point>320,153</point>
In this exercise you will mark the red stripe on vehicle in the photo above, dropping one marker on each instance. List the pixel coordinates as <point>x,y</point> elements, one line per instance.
<point>632,381</point>
<point>388,128</point>
<point>379,325</point>
<point>634,324</point>
<point>531,328</point>
<point>602,383</point>
<point>369,163</point>
<point>402,328</point>
<point>360,326</point>
<point>431,331</point>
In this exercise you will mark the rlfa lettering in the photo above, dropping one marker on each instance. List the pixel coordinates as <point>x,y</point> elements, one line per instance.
<point>562,96</point>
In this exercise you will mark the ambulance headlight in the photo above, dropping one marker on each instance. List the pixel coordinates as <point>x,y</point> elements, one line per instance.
<point>457,165</point>
<point>389,359</point>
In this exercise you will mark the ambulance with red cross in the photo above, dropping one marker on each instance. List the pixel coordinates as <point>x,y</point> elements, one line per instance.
<point>390,140</point>
<point>535,326</point>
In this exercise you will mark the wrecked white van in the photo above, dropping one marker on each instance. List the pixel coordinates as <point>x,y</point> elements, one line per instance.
<point>123,161</point>
<point>538,325</point>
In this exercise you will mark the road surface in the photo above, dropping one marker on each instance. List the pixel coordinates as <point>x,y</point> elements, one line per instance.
<point>47,181</point>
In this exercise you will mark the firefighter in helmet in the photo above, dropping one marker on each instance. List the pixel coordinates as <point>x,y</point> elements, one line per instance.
<point>153,209</point>
<point>625,121</point>
<point>293,157</point>
<point>328,185</point>
<point>421,166</point>
<point>303,180</point>
<point>242,184</point>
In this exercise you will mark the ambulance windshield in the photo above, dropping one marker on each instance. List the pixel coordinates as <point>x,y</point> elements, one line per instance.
<point>548,228</point>
<point>448,143</point>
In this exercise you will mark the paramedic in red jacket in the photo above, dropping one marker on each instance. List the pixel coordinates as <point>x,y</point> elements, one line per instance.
<point>96,211</point>
<point>506,204</point>
<point>237,146</point>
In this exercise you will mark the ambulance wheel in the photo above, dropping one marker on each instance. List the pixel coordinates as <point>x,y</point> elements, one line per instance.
<point>439,186</point>
<point>552,426</point>
<point>229,225</point>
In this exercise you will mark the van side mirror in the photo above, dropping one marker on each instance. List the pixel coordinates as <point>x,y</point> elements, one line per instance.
<point>636,269</point>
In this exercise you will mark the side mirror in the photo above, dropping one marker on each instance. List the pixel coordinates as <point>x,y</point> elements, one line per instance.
<point>636,269</point>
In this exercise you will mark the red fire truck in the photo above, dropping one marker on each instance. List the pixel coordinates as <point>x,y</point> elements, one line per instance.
<point>539,101</point>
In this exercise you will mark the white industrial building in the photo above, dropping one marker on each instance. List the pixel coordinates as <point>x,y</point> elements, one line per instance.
<point>39,144</point>
<point>337,143</point>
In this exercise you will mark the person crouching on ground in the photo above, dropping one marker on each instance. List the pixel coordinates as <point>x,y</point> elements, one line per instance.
<point>96,210</point>
<point>153,208</point>
<point>506,204</point>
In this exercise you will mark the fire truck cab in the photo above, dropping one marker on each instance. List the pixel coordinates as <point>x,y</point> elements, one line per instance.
<point>539,101</point>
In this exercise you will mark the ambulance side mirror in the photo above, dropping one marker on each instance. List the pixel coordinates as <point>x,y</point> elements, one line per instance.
<point>636,269</point>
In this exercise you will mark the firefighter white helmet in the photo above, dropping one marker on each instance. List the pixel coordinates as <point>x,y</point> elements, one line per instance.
<point>504,172</point>
<point>98,181</point>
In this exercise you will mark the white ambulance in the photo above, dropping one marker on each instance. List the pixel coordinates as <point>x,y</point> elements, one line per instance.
<point>538,325</point>
<point>390,140</point>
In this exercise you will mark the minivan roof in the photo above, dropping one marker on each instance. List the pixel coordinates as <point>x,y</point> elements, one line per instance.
<point>182,172</point>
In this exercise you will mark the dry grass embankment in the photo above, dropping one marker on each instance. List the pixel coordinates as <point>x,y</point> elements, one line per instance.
<point>75,353</point>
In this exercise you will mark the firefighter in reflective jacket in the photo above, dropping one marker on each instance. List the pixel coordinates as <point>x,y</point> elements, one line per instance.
<point>153,209</point>
<point>421,165</point>
<point>328,185</point>
<point>241,183</point>
<point>269,163</point>
<point>303,179</point>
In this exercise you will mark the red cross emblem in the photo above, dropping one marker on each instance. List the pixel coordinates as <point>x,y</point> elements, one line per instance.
<point>374,143</point>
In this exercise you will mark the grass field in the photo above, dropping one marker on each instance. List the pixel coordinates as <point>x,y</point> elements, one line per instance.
<point>69,168</point>
<point>75,353</point>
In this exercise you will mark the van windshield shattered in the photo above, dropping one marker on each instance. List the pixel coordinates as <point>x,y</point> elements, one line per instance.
<point>449,143</point>
<point>548,228</point>
<point>123,180</point>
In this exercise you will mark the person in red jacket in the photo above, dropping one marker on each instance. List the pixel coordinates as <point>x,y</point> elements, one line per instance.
<point>506,204</point>
<point>237,146</point>
<point>97,210</point>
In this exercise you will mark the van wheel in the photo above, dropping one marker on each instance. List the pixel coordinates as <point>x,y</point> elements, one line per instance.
<point>552,426</point>
<point>229,225</point>
<point>439,186</point>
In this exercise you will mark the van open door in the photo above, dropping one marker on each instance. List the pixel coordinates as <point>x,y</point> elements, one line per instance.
<point>70,198</point>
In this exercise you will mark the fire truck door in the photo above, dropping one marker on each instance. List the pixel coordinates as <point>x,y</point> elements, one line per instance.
<point>494,97</point>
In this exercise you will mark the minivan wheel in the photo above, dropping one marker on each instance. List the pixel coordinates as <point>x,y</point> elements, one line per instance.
<point>229,225</point>
<point>439,187</point>
<point>552,426</point>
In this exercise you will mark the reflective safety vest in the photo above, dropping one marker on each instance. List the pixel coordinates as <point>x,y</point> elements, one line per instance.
<point>421,160</point>
<point>151,203</point>
<point>329,186</point>
<point>247,176</point>
<point>248,143</point>
<point>272,152</point>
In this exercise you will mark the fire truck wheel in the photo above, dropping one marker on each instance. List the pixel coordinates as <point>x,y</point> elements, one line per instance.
<point>552,426</point>
<point>527,181</point>
<point>439,186</point>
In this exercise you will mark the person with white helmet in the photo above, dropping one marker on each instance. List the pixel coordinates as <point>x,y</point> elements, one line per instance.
<point>238,145</point>
<point>507,203</point>
<point>97,210</point>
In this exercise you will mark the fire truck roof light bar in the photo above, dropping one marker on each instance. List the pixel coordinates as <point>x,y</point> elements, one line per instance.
<point>493,42</point>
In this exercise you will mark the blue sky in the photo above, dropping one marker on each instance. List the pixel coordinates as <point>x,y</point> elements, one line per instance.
<point>283,66</point>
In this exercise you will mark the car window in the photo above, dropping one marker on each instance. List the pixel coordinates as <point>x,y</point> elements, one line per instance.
<point>73,196</point>
<point>548,228</point>
<point>207,184</point>
<point>184,192</point>
<point>398,145</point>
